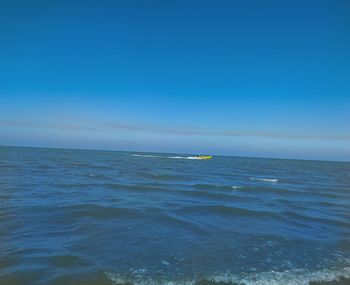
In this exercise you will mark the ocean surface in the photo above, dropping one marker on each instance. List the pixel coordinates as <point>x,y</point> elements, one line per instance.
<point>103,217</point>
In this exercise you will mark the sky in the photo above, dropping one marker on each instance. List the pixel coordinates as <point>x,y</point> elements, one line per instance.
<point>243,78</point>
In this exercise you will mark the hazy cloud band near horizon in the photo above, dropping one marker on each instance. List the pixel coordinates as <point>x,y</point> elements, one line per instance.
<point>110,126</point>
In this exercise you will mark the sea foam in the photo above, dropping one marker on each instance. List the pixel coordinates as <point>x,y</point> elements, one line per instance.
<point>184,157</point>
<point>290,277</point>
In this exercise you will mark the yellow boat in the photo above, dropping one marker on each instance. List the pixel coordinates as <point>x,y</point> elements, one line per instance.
<point>204,156</point>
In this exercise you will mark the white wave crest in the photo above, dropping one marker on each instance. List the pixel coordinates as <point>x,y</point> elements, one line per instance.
<point>264,179</point>
<point>290,277</point>
<point>235,187</point>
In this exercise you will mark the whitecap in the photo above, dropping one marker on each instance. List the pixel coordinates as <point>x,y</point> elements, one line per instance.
<point>290,277</point>
<point>264,179</point>
<point>235,187</point>
<point>164,262</point>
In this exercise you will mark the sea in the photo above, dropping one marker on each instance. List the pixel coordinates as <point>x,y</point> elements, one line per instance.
<point>107,217</point>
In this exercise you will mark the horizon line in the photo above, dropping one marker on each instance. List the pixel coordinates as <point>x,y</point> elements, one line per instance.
<point>139,151</point>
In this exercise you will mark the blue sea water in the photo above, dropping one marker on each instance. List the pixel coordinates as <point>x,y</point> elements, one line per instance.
<point>103,217</point>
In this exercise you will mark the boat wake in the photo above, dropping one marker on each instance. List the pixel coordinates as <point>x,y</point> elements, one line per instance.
<point>171,157</point>
<point>185,157</point>
<point>145,155</point>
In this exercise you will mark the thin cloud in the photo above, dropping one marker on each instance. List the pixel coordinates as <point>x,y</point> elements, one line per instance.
<point>121,126</point>
<point>100,127</point>
<point>34,124</point>
<point>258,134</point>
<point>68,126</point>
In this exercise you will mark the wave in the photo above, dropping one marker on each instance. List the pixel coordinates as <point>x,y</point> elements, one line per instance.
<point>137,188</point>
<point>273,190</point>
<point>99,211</point>
<point>236,187</point>
<point>290,277</point>
<point>209,195</point>
<point>228,211</point>
<point>96,175</point>
<point>264,179</point>
<point>163,176</point>
<point>322,220</point>
<point>216,186</point>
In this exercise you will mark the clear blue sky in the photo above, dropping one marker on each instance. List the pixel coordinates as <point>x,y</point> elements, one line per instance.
<point>250,77</point>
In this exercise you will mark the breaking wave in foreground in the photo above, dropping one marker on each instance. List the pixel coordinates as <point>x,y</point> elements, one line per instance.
<point>290,277</point>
